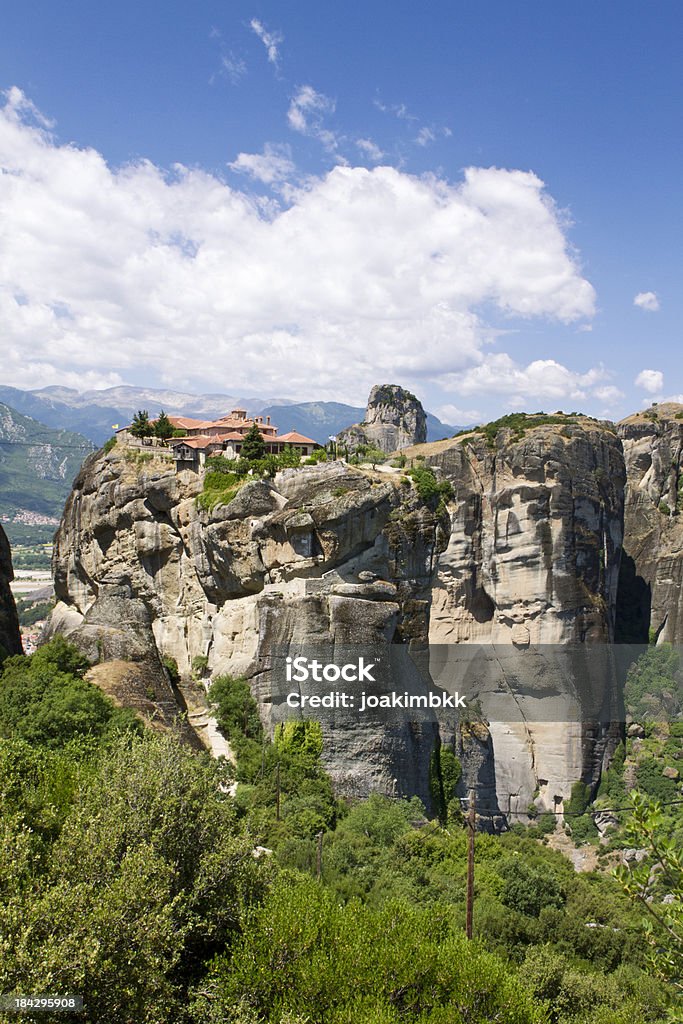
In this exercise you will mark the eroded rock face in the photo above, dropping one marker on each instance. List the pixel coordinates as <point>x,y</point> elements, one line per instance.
<point>536,536</point>
<point>533,559</point>
<point>394,419</point>
<point>526,554</point>
<point>10,637</point>
<point>652,571</point>
<point>326,554</point>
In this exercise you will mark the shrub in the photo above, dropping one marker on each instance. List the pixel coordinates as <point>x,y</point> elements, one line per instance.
<point>171,666</point>
<point>529,889</point>
<point>45,700</point>
<point>431,490</point>
<point>200,663</point>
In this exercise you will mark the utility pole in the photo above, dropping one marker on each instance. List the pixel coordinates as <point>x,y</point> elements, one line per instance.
<point>319,857</point>
<point>277,792</point>
<point>471,826</point>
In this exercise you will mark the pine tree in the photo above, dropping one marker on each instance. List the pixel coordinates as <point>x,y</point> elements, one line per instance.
<point>141,427</point>
<point>253,446</point>
<point>163,427</point>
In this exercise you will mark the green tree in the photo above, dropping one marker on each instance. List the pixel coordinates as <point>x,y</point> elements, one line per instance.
<point>163,427</point>
<point>141,426</point>
<point>148,880</point>
<point>45,700</point>
<point>253,446</point>
<point>529,889</point>
<point>304,954</point>
<point>656,886</point>
<point>374,455</point>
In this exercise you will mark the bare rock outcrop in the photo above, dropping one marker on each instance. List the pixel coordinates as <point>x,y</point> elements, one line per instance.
<point>10,636</point>
<point>325,554</point>
<point>394,419</point>
<point>651,587</point>
<point>524,559</point>
<point>530,573</point>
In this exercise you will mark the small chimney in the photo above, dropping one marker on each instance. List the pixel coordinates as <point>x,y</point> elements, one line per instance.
<point>268,420</point>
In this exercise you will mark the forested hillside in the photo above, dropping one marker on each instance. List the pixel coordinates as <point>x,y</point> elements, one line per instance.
<point>37,467</point>
<point>128,874</point>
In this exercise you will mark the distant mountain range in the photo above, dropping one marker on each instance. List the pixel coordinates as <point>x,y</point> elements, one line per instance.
<point>37,467</point>
<point>95,414</point>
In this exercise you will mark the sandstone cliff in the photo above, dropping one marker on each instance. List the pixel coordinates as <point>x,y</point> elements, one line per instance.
<point>394,419</point>
<point>533,559</point>
<point>327,554</point>
<point>10,637</point>
<point>526,554</point>
<point>652,571</point>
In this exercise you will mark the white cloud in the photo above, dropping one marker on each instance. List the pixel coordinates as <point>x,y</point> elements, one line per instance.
<point>363,275</point>
<point>233,67</point>
<point>271,40</point>
<point>20,109</point>
<point>272,166</point>
<point>543,380</point>
<point>454,415</point>
<point>425,136</point>
<point>370,149</point>
<point>647,301</point>
<point>609,394</point>
<point>651,381</point>
<point>399,110</point>
<point>306,114</point>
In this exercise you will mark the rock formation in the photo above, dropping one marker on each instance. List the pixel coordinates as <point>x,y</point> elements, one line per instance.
<point>526,554</point>
<point>325,555</point>
<point>651,585</point>
<point>533,559</point>
<point>394,419</point>
<point>10,637</point>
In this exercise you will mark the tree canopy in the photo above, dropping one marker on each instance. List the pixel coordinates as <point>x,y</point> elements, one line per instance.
<point>141,425</point>
<point>253,446</point>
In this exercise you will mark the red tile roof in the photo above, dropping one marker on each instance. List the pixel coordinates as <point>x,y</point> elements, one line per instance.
<point>185,423</point>
<point>202,441</point>
<point>293,437</point>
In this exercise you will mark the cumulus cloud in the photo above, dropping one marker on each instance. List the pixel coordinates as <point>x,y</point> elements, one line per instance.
<point>543,380</point>
<point>609,394</point>
<point>651,381</point>
<point>271,40</point>
<point>647,301</point>
<point>272,166</point>
<point>457,416</point>
<point>19,108</point>
<point>357,276</point>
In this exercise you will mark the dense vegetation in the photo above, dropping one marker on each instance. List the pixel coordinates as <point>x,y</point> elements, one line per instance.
<point>224,477</point>
<point>518,423</point>
<point>37,465</point>
<point>130,875</point>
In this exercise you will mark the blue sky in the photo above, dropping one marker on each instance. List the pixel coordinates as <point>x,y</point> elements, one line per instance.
<point>322,233</point>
